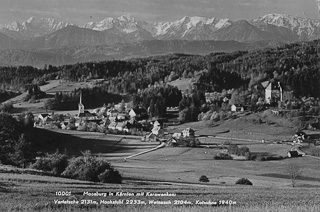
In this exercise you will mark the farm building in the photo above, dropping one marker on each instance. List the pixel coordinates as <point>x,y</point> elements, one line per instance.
<point>121,116</point>
<point>122,126</point>
<point>156,131</point>
<point>112,126</point>
<point>112,118</point>
<point>77,123</point>
<point>237,108</point>
<point>42,116</point>
<point>64,125</point>
<point>112,112</point>
<point>293,154</point>
<point>188,132</point>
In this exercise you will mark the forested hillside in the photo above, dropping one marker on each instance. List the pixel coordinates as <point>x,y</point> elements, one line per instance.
<point>296,65</point>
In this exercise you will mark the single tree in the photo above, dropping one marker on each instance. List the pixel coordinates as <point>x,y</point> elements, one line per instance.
<point>294,172</point>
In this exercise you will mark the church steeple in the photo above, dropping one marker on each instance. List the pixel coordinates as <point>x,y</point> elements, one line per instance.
<point>81,106</point>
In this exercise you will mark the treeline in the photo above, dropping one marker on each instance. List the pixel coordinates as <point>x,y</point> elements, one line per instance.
<point>16,78</point>
<point>5,95</point>
<point>296,64</point>
<point>16,147</point>
<point>216,79</point>
<point>157,98</point>
<point>91,97</point>
<point>191,105</point>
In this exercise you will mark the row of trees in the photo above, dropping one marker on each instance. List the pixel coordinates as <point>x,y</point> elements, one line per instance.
<point>91,97</point>
<point>157,99</point>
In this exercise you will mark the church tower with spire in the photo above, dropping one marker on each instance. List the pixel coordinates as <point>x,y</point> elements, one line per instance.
<point>80,105</point>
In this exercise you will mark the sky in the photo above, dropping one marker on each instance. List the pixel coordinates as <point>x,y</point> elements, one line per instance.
<point>83,11</point>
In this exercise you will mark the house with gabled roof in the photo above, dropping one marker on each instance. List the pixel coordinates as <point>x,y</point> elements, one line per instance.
<point>138,113</point>
<point>121,126</point>
<point>112,125</point>
<point>237,108</point>
<point>43,116</point>
<point>276,91</point>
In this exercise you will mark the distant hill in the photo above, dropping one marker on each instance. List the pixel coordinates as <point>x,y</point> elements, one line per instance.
<point>39,41</point>
<point>73,54</point>
<point>7,43</point>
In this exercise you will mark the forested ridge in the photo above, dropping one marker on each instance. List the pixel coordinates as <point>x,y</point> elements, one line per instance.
<point>296,65</point>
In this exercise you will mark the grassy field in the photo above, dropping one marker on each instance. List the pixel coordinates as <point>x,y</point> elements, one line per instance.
<point>182,84</point>
<point>174,170</point>
<point>183,164</point>
<point>69,86</point>
<point>21,192</point>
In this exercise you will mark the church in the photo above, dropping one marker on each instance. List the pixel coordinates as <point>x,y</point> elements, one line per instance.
<point>81,112</point>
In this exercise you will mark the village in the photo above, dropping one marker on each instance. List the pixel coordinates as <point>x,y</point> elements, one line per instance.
<point>122,120</point>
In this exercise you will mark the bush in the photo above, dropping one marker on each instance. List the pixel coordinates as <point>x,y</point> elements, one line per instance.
<point>247,155</point>
<point>6,107</point>
<point>55,163</point>
<point>273,158</point>
<point>110,176</point>
<point>222,156</point>
<point>88,168</point>
<point>203,178</point>
<point>244,181</point>
<point>260,157</point>
<point>243,150</point>
<point>233,149</point>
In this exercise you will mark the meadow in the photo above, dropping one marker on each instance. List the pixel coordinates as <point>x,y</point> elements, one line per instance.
<point>25,192</point>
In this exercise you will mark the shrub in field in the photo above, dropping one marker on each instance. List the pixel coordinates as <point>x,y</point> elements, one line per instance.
<point>273,158</point>
<point>243,150</point>
<point>260,157</point>
<point>244,181</point>
<point>253,156</point>
<point>233,149</point>
<point>88,168</point>
<point>294,172</point>
<point>247,155</point>
<point>240,151</point>
<point>203,178</point>
<point>110,176</point>
<point>55,163</point>
<point>222,156</point>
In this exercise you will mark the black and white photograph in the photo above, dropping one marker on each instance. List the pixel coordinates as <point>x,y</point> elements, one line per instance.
<point>160,105</point>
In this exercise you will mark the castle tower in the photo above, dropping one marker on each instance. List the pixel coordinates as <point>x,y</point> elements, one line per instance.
<point>80,105</point>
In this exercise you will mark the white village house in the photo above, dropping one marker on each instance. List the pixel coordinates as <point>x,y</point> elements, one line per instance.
<point>237,108</point>
<point>273,91</point>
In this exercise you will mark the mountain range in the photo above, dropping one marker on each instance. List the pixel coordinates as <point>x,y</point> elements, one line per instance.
<point>38,38</point>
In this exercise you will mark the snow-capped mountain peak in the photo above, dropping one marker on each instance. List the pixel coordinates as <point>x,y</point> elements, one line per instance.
<point>127,18</point>
<point>35,27</point>
<point>303,27</point>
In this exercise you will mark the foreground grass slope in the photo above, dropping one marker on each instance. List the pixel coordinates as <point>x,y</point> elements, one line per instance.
<point>21,192</point>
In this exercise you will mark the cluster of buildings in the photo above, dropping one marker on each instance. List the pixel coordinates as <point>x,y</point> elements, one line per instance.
<point>109,117</point>
<point>274,92</point>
